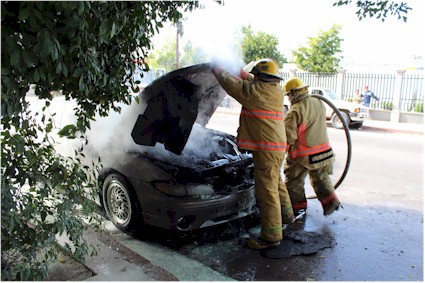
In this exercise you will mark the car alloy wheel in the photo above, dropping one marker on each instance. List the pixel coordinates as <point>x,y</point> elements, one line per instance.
<point>118,202</point>
<point>337,123</point>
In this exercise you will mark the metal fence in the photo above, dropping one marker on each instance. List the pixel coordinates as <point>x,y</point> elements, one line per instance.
<point>412,88</point>
<point>395,90</point>
<point>382,85</point>
<point>314,79</point>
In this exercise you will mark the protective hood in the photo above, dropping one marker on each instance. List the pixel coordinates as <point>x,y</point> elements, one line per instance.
<point>175,102</point>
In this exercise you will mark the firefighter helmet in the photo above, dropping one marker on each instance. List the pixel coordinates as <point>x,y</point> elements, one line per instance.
<point>266,68</point>
<point>292,85</point>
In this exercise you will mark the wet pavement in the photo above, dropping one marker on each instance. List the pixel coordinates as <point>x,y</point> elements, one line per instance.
<point>363,246</point>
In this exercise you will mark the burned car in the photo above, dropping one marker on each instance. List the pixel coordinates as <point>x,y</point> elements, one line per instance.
<point>177,174</point>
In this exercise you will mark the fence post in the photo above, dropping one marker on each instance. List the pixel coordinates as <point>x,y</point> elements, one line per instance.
<point>340,82</point>
<point>293,73</point>
<point>395,113</point>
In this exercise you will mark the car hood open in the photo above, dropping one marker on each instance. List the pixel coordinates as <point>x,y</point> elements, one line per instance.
<point>175,102</point>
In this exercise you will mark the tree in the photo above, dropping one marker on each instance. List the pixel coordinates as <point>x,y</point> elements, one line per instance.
<point>260,45</point>
<point>165,57</point>
<point>88,51</point>
<point>378,9</point>
<point>192,55</point>
<point>321,55</point>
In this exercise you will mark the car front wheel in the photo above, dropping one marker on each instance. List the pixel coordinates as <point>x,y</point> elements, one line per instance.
<point>337,123</point>
<point>356,125</point>
<point>120,203</point>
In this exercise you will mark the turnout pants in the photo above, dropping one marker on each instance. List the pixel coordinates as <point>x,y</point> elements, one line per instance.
<point>295,174</point>
<point>271,194</point>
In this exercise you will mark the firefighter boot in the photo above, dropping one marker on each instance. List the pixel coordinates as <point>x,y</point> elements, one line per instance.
<point>331,207</point>
<point>261,244</point>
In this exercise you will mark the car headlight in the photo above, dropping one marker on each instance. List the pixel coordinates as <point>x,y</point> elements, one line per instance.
<point>356,110</point>
<point>184,190</point>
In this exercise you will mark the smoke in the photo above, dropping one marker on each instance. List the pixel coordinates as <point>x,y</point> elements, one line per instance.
<point>215,30</point>
<point>111,137</point>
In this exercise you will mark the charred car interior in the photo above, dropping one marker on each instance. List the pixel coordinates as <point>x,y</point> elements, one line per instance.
<point>178,174</point>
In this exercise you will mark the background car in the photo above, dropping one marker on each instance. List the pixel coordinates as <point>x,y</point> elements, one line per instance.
<point>353,113</point>
<point>163,167</point>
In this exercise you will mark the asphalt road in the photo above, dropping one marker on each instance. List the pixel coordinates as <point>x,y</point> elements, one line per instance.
<point>378,235</point>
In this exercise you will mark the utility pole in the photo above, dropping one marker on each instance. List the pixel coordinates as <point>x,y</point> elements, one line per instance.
<point>179,32</point>
<point>177,45</point>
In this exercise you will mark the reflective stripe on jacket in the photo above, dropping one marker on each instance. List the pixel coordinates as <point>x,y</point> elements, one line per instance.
<point>306,131</point>
<point>302,149</point>
<point>261,124</point>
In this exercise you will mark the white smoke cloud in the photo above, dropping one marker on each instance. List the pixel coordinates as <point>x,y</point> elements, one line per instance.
<point>110,137</point>
<point>217,33</point>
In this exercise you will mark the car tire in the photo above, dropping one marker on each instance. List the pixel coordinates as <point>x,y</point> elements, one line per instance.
<point>337,123</point>
<point>356,125</point>
<point>120,203</point>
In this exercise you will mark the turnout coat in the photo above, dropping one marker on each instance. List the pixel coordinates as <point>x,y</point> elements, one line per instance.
<point>261,125</point>
<point>306,131</point>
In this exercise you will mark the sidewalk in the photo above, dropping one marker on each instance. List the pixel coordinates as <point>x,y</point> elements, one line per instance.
<point>120,258</point>
<point>114,262</point>
<point>393,127</point>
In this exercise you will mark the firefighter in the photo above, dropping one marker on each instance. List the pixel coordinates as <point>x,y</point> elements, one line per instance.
<point>310,152</point>
<point>261,131</point>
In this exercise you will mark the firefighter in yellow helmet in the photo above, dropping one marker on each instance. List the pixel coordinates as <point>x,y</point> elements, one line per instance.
<point>310,152</point>
<point>262,132</point>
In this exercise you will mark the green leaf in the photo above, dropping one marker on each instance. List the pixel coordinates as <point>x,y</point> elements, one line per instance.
<point>44,39</point>
<point>81,84</point>
<point>49,127</point>
<point>105,27</point>
<point>113,29</point>
<point>27,59</point>
<point>64,70</point>
<point>36,76</point>
<point>24,14</point>
<point>68,131</point>
<point>54,52</point>
<point>15,58</point>
<point>58,68</point>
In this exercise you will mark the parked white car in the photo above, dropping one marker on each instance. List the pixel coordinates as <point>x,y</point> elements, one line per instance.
<point>353,113</point>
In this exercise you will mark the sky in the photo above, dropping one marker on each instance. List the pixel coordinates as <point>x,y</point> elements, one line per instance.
<point>369,43</point>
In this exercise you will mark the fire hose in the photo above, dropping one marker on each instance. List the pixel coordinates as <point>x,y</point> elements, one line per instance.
<point>348,137</point>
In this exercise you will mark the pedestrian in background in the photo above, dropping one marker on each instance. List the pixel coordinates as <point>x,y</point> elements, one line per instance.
<point>367,96</point>
<point>357,97</point>
<point>310,152</point>
<point>262,132</point>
